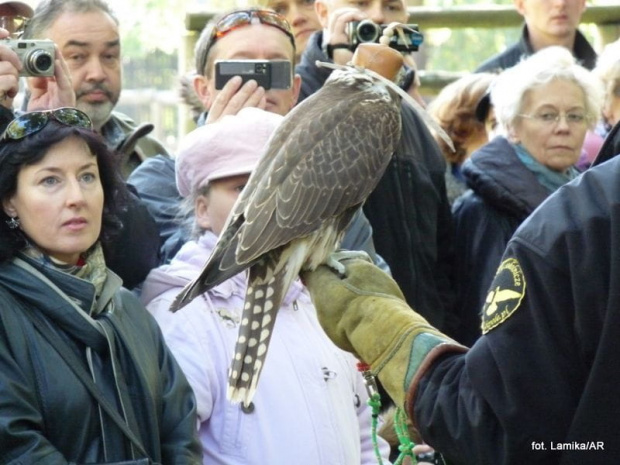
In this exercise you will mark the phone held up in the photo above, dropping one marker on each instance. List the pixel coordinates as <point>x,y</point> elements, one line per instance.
<point>269,74</point>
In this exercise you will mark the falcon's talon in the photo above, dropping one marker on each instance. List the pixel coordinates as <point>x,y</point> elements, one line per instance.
<point>336,266</point>
<point>334,261</point>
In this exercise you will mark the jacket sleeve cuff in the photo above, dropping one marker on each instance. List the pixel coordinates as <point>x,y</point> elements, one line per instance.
<point>420,365</point>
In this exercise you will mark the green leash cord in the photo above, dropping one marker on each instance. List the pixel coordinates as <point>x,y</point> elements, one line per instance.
<point>406,445</point>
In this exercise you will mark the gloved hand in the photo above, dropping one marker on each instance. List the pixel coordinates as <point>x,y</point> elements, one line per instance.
<point>366,314</point>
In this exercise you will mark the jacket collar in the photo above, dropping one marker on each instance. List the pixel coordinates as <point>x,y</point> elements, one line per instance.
<point>496,174</point>
<point>582,50</point>
<point>63,298</point>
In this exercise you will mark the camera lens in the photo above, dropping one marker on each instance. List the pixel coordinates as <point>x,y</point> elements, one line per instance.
<point>367,31</point>
<point>38,62</point>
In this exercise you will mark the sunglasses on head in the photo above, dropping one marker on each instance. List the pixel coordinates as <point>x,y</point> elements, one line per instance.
<point>14,24</point>
<point>31,123</point>
<point>242,18</point>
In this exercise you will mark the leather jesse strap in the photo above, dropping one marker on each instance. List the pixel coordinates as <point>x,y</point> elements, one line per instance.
<point>76,366</point>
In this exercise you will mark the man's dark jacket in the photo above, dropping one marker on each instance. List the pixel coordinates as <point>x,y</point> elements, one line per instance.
<point>409,210</point>
<point>582,50</point>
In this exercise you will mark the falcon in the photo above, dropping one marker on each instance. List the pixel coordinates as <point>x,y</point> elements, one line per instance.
<point>317,169</point>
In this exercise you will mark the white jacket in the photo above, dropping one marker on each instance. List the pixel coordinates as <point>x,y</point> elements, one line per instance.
<point>310,405</point>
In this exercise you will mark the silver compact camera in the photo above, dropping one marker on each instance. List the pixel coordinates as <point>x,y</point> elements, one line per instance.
<point>368,31</point>
<point>37,56</point>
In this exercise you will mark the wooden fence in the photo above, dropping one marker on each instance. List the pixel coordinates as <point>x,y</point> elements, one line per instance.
<point>606,17</point>
<point>163,106</point>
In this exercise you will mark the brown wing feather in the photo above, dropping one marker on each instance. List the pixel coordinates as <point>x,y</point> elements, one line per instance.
<point>336,156</point>
<point>325,159</point>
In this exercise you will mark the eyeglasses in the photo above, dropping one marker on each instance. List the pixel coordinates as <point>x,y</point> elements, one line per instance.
<point>552,118</point>
<point>31,123</point>
<point>243,18</point>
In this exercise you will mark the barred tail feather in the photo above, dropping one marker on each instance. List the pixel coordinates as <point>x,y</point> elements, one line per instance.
<point>263,299</point>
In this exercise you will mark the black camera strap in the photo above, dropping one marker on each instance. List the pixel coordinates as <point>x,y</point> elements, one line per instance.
<point>329,49</point>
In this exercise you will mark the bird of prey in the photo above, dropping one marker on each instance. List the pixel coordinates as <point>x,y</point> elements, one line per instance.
<point>317,169</point>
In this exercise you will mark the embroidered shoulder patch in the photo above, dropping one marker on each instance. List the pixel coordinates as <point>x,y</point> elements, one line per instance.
<point>505,296</point>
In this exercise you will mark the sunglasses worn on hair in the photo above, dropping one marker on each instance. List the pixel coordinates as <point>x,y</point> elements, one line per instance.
<point>31,123</point>
<point>243,18</point>
<point>14,24</point>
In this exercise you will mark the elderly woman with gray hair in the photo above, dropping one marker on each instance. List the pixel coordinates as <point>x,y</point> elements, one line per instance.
<point>545,106</point>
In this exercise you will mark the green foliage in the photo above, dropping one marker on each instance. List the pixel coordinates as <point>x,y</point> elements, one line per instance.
<point>464,49</point>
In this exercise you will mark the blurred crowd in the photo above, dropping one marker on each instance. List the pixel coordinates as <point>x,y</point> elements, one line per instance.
<point>490,233</point>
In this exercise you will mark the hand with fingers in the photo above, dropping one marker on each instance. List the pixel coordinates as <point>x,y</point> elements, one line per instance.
<point>54,91</point>
<point>10,66</point>
<point>336,37</point>
<point>234,96</point>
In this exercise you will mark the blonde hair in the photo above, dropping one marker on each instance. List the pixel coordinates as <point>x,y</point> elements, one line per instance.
<point>607,67</point>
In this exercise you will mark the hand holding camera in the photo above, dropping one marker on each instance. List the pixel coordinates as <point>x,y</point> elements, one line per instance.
<point>49,80</point>
<point>234,96</point>
<point>408,40</point>
<point>36,56</point>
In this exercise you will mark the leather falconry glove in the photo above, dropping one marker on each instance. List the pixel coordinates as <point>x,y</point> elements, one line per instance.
<point>365,313</point>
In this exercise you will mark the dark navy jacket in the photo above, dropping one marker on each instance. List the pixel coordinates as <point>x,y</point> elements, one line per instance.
<point>542,384</point>
<point>582,50</point>
<point>502,193</point>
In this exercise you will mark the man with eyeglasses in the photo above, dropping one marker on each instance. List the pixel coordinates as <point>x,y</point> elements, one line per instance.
<point>253,34</point>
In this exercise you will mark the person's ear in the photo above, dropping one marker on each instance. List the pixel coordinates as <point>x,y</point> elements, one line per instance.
<point>322,12</point>
<point>296,89</point>
<point>201,211</point>
<point>583,6</point>
<point>512,134</point>
<point>201,87</point>
<point>9,209</point>
<point>520,6</point>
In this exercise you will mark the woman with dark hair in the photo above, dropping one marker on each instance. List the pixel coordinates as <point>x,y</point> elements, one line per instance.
<point>85,376</point>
